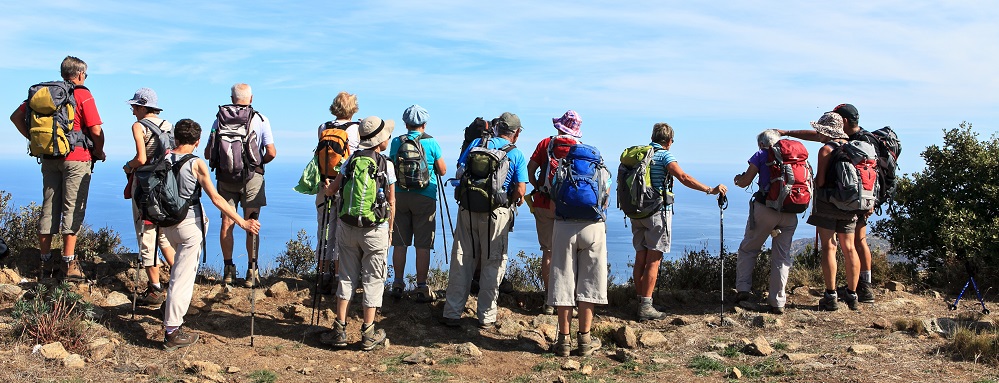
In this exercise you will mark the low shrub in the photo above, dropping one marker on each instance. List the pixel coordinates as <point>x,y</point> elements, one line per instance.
<point>969,345</point>
<point>298,256</point>
<point>56,315</point>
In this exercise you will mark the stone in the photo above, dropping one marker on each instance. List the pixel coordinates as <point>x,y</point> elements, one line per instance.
<point>295,312</point>
<point>936,294</point>
<point>9,276</point>
<point>468,349</point>
<point>625,337</point>
<point>718,347</point>
<point>99,349</point>
<point>813,366</point>
<point>73,361</point>
<point>680,321</point>
<point>571,365</point>
<point>983,325</point>
<point>625,355</point>
<point>729,322</point>
<point>541,319</point>
<point>586,370</point>
<point>861,349</point>
<point>652,338</point>
<point>509,327</point>
<point>278,289</point>
<point>549,331</point>
<point>307,371</point>
<point>735,373</point>
<point>116,299</point>
<point>10,293</point>
<point>232,369</point>
<point>881,324</point>
<point>895,286</point>
<point>205,369</point>
<point>660,361</point>
<point>53,351</point>
<point>944,326</point>
<point>798,357</point>
<point>767,321</point>
<point>713,356</point>
<point>759,347</point>
<point>417,357</point>
<point>381,368</point>
<point>533,339</point>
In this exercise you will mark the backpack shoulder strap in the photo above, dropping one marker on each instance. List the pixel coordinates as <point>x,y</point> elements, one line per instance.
<point>424,136</point>
<point>508,147</point>
<point>329,125</point>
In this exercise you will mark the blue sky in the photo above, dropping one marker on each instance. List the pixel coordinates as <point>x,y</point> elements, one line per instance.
<point>719,72</point>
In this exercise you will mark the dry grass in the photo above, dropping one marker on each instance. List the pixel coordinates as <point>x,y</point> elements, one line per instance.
<point>971,346</point>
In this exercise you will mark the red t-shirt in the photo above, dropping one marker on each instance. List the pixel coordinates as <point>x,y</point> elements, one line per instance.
<point>540,157</point>
<point>86,115</point>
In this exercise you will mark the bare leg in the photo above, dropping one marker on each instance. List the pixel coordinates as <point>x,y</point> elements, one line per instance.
<point>828,257</point>
<point>422,265</point>
<point>399,261</point>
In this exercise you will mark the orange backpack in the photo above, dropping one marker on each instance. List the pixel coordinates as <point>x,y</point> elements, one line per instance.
<point>332,148</point>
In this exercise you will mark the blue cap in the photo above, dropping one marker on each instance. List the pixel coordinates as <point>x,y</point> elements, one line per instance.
<point>415,116</point>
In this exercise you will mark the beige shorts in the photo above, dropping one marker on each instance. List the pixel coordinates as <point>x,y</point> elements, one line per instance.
<point>65,189</point>
<point>544,220</point>
<point>147,238</point>
<point>653,232</point>
<point>363,262</point>
<point>415,216</point>
<point>579,263</point>
<point>250,195</point>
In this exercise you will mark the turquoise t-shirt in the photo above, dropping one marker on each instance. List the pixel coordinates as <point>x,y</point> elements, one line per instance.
<point>432,150</point>
<point>518,162</point>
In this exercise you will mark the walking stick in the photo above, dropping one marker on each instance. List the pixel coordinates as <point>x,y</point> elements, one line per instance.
<point>253,287</point>
<point>722,205</point>
<point>441,202</point>
<point>323,244</point>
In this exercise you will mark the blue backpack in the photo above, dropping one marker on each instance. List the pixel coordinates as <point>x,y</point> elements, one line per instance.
<point>581,185</point>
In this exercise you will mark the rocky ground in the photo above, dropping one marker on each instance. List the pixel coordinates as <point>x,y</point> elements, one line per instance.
<point>900,338</point>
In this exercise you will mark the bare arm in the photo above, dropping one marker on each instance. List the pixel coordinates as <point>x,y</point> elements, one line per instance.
<point>18,118</point>
<point>97,135</point>
<point>820,172</point>
<point>201,170</point>
<point>690,182</point>
<point>518,193</point>
<point>809,135</point>
<point>532,169</point>
<point>746,178</point>
<point>390,197</point>
<point>332,187</point>
<point>269,153</point>
<point>440,167</point>
<point>140,149</point>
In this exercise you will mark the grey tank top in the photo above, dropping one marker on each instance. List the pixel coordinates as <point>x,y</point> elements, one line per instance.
<point>188,182</point>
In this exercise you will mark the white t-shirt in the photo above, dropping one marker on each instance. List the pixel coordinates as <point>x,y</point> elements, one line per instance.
<point>262,126</point>
<point>353,137</point>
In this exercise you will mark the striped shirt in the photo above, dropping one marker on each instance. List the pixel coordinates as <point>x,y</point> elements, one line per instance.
<point>658,172</point>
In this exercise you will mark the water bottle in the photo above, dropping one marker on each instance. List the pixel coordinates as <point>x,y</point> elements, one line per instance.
<point>380,197</point>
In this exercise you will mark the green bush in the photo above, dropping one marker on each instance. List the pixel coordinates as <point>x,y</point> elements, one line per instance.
<point>57,315</point>
<point>298,256</point>
<point>524,272</point>
<point>18,225</point>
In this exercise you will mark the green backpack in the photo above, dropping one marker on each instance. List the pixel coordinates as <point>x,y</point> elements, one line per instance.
<point>636,195</point>
<point>362,191</point>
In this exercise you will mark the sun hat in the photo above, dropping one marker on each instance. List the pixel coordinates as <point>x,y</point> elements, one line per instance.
<point>374,131</point>
<point>569,123</point>
<point>507,122</point>
<point>848,111</point>
<point>415,116</point>
<point>830,125</point>
<point>144,97</point>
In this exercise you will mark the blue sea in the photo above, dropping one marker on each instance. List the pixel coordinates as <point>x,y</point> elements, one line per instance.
<point>696,222</point>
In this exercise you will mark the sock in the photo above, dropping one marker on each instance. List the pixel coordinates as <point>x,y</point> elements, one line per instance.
<point>398,279</point>
<point>228,262</point>
<point>365,327</point>
<point>646,300</point>
<point>851,292</point>
<point>865,276</point>
<point>68,258</point>
<point>157,286</point>
<point>46,257</point>
<point>831,292</point>
<point>171,329</point>
<point>421,285</point>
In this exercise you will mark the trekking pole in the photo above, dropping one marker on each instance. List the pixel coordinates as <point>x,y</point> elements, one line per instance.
<point>722,205</point>
<point>320,258</point>
<point>253,287</point>
<point>440,204</point>
<point>446,206</point>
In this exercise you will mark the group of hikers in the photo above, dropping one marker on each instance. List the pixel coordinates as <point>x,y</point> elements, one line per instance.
<point>375,189</point>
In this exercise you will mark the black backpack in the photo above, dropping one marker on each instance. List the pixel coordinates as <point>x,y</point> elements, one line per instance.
<point>888,148</point>
<point>157,193</point>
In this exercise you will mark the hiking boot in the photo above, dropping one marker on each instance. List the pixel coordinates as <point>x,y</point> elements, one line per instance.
<point>371,338</point>
<point>776,310</point>
<point>865,292</point>
<point>252,278</point>
<point>449,322</point>
<point>744,296</point>
<point>179,339</point>
<point>487,325</point>
<point>851,301</point>
<point>397,289</point>
<point>152,296</point>
<point>548,310</point>
<point>506,287</point>
<point>336,338</point>
<point>228,274</point>
<point>47,269</point>
<point>828,303</point>
<point>424,295</point>
<point>648,312</point>
<point>587,344</point>
<point>474,289</point>
<point>563,346</point>
<point>72,272</point>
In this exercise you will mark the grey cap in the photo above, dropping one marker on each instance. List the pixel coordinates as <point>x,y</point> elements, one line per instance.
<point>145,97</point>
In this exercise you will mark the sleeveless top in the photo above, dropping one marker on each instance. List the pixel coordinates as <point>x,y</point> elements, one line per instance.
<point>188,182</point>
<point>147,135</point>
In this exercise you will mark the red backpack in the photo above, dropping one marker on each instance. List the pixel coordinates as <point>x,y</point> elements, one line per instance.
<point>790,177</point>
<point>558,148</point>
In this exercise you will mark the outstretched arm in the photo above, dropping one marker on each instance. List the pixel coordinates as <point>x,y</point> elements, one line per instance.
<point>691,182</point>
<point>808,135</point>
<point>201,170</point>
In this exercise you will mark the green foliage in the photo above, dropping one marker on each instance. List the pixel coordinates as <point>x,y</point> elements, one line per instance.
<point>57,315</point>
<point>971,346</point>
<point>950,206</point>
<point>696,269</point>
<point>703,365</point>
<point>103,241</point>
<point>18,225</point>
<point>263,376</point>
<point>298,256</point>
<point>524,271</point>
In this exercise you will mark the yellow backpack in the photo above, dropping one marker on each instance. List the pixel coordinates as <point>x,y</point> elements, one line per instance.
<point>51,109</point>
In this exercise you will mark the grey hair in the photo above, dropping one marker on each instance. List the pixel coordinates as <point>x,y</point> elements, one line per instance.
<point>241,92</point>
<point>72,67</point>
<point>767,138</point>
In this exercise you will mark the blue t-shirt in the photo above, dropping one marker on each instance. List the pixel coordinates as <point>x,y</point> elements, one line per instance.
<point>759,159</point>
<point>658,172</point>
<point>432,150</point>
<point>518,162</point>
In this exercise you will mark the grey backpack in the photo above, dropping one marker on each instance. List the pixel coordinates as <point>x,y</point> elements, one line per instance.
<point>233,149</point>
<point>852,182</point>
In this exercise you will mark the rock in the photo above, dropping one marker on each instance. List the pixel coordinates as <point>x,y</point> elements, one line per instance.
<point>586,370</point>
<point>295,312</point>
<point>9,276</point>
<point>713,356</point>
<point>10,293</point>
<point>718,347</point>
<point>503,313</point>
<point>625,355</point>
<point>232,369</point>
<point>534,339</point>
<point>767,321</point>
<point>735,373</point>
<point>307,371</point>
<point>116,299</point>
<point>945,326</point>
<point>936,294</point>
<point>99,349</point>
<point>544,319</point>
<point>278,289</point>
<point>571,365</point>
<point>881,324</point>
<point>205,369</point>
<point>798,357</point>
<point>983,325</point>
<point>652,338</point>
<point>625,337</point>
<point>549,331</point>
<point>73,361</point>
<point>469,349</point>
<point>660,361</point>
<point>861,349</point>
<point>680,321</point>
<point>509,327</point>
<point>53,351</point>
<point>417,357</point>
<point>381,368</point>
<point>895,286</point>
<point>813,366</point>
<point>729,322</point>
<point>759,347</point>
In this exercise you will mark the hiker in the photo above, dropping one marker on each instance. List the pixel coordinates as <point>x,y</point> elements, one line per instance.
<point>830,221</point>
<point>146,133</point>
<point>853,130</point>
<point>65,176</point>
<point>187,236</point>
<point>415,154</point>
<point>337,139</point>
<point>366,209</point>
<point>545,159</point>
<point>580,194</point>
<point>769,220</point>
<point>239,145</point>
<point>492,181</point>
<point>651,235</point>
